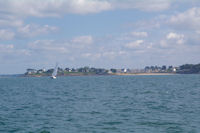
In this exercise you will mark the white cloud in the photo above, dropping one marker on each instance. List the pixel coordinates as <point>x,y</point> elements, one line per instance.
<point>198,31</point>
<point>10,49</point>
<point>187,20</point>
<point>109,54</point>
<point>91,56</point>
<point>77,45</point>
<point>163,43</point>
<point>55,8</point>
<point>103,55</point>
<point>83,40</point>
<point>139,34</point>
<point>10,22</point>
<point>172,35</point>
<point>173,40</point>
<point>131,36</point>
<point>49,46</point>
<point>144,25</point>
<point>6,34</point>
<point>144,5</point>
<point>180,41</point>
<point>134,44</point>
<point>45,8</point>
<point>86,55</point>
<point>23,52</point>
<point>31,30</point>
<point>88,6</point>
<point>179,38</point>
<point>6,48</point>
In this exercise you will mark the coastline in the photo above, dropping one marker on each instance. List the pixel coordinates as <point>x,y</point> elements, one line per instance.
<point>91,71</point>
<point>145,74</point>
<point>113,74</point>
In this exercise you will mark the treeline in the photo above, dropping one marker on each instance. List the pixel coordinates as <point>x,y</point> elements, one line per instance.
<point>79,70</point>
<point>189,69</point>
<point>162,69</point>
<point>183,69</point>
<point>67,71</point>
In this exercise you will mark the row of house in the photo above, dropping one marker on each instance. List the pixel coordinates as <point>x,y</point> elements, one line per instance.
<point>157,69</point>
<point>82,70</point>
<point>34,71</point>
<point>147,69</point>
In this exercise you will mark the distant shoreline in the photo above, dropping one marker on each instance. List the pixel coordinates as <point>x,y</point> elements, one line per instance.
<point>91,71</point>
<point>126,74</point>
<point>113,74</point>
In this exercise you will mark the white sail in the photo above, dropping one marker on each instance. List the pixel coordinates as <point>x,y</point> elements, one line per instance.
<point>55,71</point>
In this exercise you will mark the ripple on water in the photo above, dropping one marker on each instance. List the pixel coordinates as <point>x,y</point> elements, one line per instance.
<point>100,104</point>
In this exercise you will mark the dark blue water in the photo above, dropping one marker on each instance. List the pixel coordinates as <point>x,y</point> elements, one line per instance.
<point>101,104</point>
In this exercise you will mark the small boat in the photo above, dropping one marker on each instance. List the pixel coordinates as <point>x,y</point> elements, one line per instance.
<point>53,76</point>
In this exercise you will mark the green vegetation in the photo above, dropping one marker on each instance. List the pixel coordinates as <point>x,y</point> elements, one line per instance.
<point>68,72</point>
<point>189,69</point>
<point>183,69</point>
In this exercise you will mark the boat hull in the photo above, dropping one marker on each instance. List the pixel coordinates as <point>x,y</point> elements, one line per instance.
<point>53,77</point>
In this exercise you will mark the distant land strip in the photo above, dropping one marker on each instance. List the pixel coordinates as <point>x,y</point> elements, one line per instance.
<point>90,71</point>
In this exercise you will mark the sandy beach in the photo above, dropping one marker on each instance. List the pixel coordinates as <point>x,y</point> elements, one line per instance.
<point>126,74</point>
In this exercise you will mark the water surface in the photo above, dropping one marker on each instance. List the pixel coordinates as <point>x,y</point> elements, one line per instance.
<point>101,104</point>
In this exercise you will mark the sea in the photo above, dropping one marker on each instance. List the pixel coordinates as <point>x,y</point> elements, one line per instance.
<point>100,104</point>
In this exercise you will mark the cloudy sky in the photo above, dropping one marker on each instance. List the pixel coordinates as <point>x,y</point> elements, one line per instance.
<point>98,33</point>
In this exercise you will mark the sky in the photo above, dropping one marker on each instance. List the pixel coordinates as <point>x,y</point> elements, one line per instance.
<point>98,33</point>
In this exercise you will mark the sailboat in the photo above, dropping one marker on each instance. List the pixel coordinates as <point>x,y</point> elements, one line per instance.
<point>53,76</point>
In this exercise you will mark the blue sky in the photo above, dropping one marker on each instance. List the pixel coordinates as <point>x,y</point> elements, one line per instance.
<point>98,33</point>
